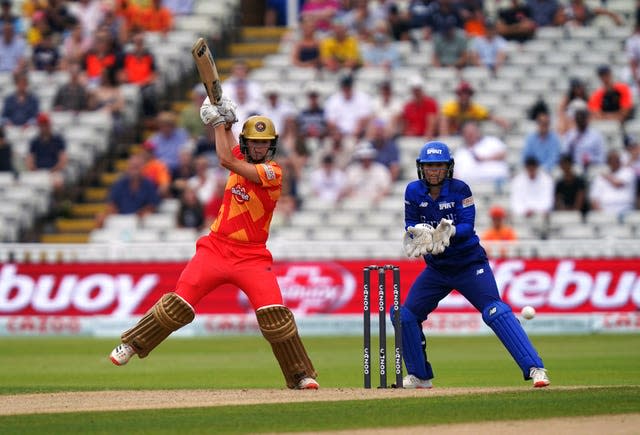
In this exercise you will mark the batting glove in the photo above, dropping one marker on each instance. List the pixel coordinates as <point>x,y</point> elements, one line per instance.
<point>227,109</point>
<point>210,115</point>
<point>442,236</point>
<point>221,113</point>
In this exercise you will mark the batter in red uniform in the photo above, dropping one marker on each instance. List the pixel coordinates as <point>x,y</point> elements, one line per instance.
<point>234,252</point>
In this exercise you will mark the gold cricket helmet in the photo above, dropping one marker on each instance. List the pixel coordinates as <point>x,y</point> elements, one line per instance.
<point>258,127</point>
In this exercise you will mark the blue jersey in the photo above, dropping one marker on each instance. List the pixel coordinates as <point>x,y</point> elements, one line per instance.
<point>462,266</point>
<point>455,203</point>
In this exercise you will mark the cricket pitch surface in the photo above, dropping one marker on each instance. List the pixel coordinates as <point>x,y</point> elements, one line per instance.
<point>117,400</point>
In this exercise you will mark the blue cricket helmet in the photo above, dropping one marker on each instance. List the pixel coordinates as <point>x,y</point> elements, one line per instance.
<point>434,152</point>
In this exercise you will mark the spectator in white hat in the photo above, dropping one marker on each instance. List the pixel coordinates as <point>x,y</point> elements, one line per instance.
<point>366,178</point>
<point>278,107</point>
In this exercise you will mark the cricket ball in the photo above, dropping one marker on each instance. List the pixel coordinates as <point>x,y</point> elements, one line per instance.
<point>528,312</point>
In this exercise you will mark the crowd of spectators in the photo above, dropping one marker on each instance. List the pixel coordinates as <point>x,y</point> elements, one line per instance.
<point>564,158</point>
<point>97,47</point>
<point>344,146</point>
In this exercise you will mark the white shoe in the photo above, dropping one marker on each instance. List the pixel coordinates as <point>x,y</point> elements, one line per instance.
<point>411,381</point>
<point>539,376</point>
<point>122,354</point>
<point>308,384</point>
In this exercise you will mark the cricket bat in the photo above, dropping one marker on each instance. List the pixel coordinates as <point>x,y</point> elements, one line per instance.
<point>207,70</point>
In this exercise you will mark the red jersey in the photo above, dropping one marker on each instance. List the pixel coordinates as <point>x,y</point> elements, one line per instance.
<point>247,207</point>
<point>415,115</point>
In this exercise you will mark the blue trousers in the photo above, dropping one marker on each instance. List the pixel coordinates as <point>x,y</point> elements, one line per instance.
<point>478,285</point>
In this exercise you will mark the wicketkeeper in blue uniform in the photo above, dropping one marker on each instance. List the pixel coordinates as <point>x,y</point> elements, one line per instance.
<point>439,223</point>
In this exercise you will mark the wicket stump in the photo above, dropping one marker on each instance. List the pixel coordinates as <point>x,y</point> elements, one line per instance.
<point>382,324</point>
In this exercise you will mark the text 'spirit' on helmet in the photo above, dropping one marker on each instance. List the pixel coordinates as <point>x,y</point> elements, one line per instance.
<point>434,152</point>
<point>258,128</point>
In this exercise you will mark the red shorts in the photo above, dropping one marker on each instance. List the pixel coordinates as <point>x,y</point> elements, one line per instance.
<point>219,260</point>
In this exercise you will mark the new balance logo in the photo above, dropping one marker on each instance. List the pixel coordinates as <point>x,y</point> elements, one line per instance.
<point>480,271</point>
<point>492,311</point>
<point>424,204</point>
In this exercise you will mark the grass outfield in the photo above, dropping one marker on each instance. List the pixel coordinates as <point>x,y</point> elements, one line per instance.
<point>78,364</point>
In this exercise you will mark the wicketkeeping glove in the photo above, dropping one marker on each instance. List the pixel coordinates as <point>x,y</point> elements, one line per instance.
<point>442,235</point>
<point>222,113</point>
<point>418,240</point>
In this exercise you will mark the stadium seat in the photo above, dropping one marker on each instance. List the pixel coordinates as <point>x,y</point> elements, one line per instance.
<point>267,74</point>
<point>632,218</point>
<point>357,204</point>
<point>383,218</point>
<point>146,235</point>
<point>307,219</point>
<point>317,205</point>
<point>62,119</point>
<point>366,233</point>
<point>589,33</point>
<point>121,222</point>
<point>201,24</point>
<point>38,180</point>
<point>277,60</point>
<point>583,231</point>
<point>169,206</point>
<point>329,233</point>
<point>7,179</point>
<point>298,74</point>
<point>596,217</point>
<point>102,235</point>
<point>565,217</point>
<point>343,218</point>
<point>290,233</point>
<point>158,221</point>
<point>98,120</point>
<point>181,235</point>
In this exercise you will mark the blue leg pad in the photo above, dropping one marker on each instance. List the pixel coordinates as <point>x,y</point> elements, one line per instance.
<point>414,346</point>
<point>499,317</point>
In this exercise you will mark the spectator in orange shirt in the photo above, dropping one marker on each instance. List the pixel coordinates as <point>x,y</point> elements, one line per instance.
<point>129,12</point>
<point>140,69</point>
<point>155,169</point>
<point>499,229</point>
<point>613,100</point>
<point>102,55</point>
<point>156,18</point>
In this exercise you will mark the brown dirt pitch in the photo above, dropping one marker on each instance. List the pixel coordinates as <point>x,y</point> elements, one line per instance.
<point>163,399</point>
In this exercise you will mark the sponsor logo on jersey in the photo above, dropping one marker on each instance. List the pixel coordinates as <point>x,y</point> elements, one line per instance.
<point>446,205</point>
<point>269,172</point>
<point>424,204</point>
<point>434,151</point>
<point>467,202</point>
<point>240,193</point>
